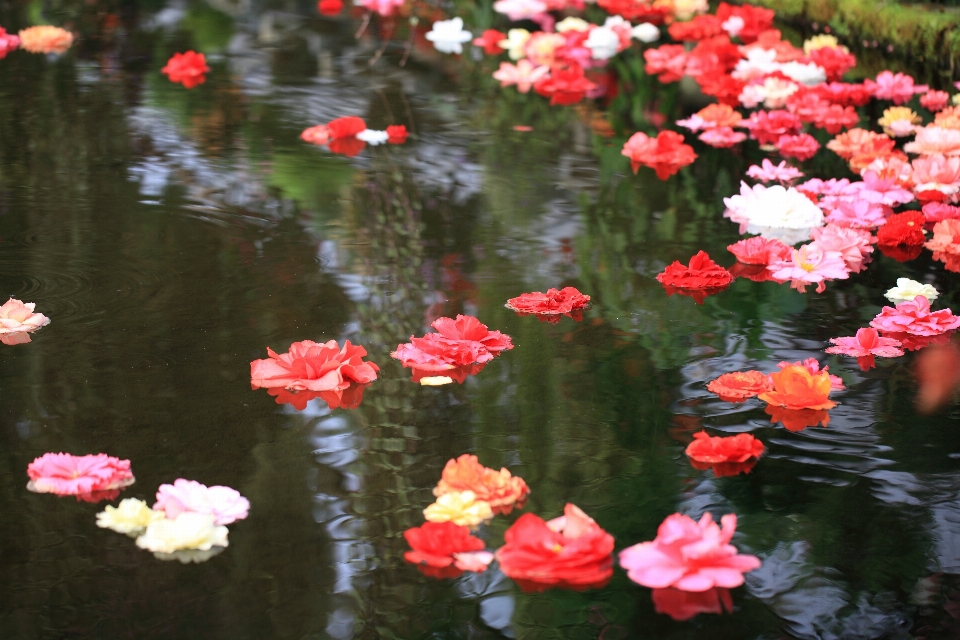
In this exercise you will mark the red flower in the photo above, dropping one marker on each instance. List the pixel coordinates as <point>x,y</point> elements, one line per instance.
<point>312,366</point>
<point>668,61</point>
<point>766,127</point>
<point>755,19</point>
<point>188,68</point>
<point>802,146</point>
<point>912,342</point>
<point>683,605</point>
<point>740,385</point>
<point>666,154</point>
<point>459,342</point>
<point>349,147</point>
<point>901,252</point>
<point>330,7</point>
<point>798,419</point>
<point>635,10</point>
<point>490,41</point>
<point>397,134</point>
<point>553,302</point>
<point>346,127</point>
<point>702,275</point>
<point>571,551</point>
<point>835,118</point>
<point>728,456</point>
<point>834,60</point>
<point>700,28</point>
<point>437,545</point>
<point>852,95</point>
<point>754,272</point>
<point>902,229</point>
<point>564,85</point>
<point>725,88</point>
<point>759,250</point>
<point>713,56</point>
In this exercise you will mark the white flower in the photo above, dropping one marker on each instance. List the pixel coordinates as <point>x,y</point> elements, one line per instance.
<point>782,213</point>
<point>759,62</point>
<point>448,36</point>
<point>520,9</point>
<point>908,289</point>
<point>901,128</point>
<point>752,95</point>
<point>131,517</point>
<point>571,23</point>
<point>373,137</point>
<point>809,74</point>
<point>733,25</point>
<point>616,21</point>
<point>603,43</point>
<point>646,32</point>
<point>186,556</point>
<point>188,531</point>
<point>515,42</point>
<point>777,91</point>
<point>737,204</point>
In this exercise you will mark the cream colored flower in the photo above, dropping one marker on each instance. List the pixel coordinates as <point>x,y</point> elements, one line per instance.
<point>822,41</point>
<point>571,23</point>
<point>515,42</point>
<point>45,39</point>
<point>907,289</point>
<point>131,517</point>
<point>459,507</point>
<point>189,531</point>
<point>956,99</point>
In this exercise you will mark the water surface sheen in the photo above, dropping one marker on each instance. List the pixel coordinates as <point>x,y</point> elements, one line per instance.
<point>171,236</point>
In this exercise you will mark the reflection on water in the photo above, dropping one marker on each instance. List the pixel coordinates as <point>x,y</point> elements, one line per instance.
<point>172,235</point>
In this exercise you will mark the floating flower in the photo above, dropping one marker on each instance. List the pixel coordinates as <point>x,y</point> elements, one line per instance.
<point>915,318</point>
<point>802,146</point>
<point>668,62</point>
<point>683,605</point>
<point>899,121</point>
<point>524,75</point>
<point>865,345</point>
<point>689,556</point>
<point>459,342</point>
<point>318,135</point>
<point>740,385</point>
<point>346,127</point>
<point>313,366</point>
<point>898,88</point>
<point>722,137</point>
<point>931,140</point>
<point>349,146</point>
<point>554,302</point>
<point>373,137</point>
<point>8,42</point>
<point>759,250</point>
<point>499,489</point>
<point>45,39</point>
<point>856,142</point>
<point>938,211</point>
<point>188,69</point>
<point>18,320</point>
<point>349,398</point>
<point>564,85</point>
<point>666,154</point>
<point>768,172</point>
<point>860,214</point>
<point>445,550</point>
<point>397,134</point>
<point>330,7</point>
<point>766,127</point>
<point>131,517</point>
<point>448,36</point>
<point>902,229</point>
<point>794,387</point>
<point>946,239</point>
<point>798,419</point>
<point>907,289</point>
<point>781,213</point>
<point>813,366</point>
<point>811,264</point>
<point>727,456</point>
<point>459,507</point>
<point>188,531</point>
<point>69,475</point>
<point>571,551</point>
<point>226,505</point>
<point>854,245</point>
<point>702,277</point>
<point>489,41</point>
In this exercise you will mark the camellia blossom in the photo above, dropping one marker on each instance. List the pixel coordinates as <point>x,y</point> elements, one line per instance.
<point>131,517</point>
<point>445,549</point>
<point>794,387</point>
<point>459,507</point>
<point>459,342</point>
<point>524,75</point>
<point>8,42</point>
<point>226,505</point>
<point>188,531</point>
<point>915,318</point>
<point>689,556</point>
<point>740,385</point>
<point>68,475</point>
<point>45,39</point>
<point>727,456</point>
<point>448,36</point>
<point>683,605</point>
<point>769,172</point>
<point>811,264</point>
<point>700,278</point>
<point>499,489</point>
<point>18,320</point>
<point>189,69</point>
<point>553,302</point>
<point>313,366</point>
<point>666,154</point>
<point>854,245</point>
<point>571,551</point>
<point>907,289</point>
<point>865,345</point>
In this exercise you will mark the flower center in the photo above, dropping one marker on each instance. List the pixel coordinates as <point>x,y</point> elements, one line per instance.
<point>557,547</point>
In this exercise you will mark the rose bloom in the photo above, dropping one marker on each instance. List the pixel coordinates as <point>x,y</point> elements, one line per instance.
<point>902,229</point>
<point>313,366</point>
<point>915,318</point>
<point>226,505</point>
<point>740,385</point>
<point>798,419</point>
<point>722,137</point>
<point>188,531</point>
<point>853,244</point>
<point>188,69</point>
<point>865,345</point>
<point>859,141</point>
<point>18,320</point>
<point>571,551</point>
<point>946,239</point>
<point>459,507</point>
<point>318,135</point>
<point>45,39</point>
<point>932,139</point>
<point>444,549</point>
<point>499,489</point>
<point>666,154</point>
<point>553,302</point>
<point>813,366</point>
<point>802,146</point>
<point>796,388</point>
<point>459,342</point>
<point>689,556</point>
<point>738,448</point>
<point>702,275</point>
<point>131,517</point>
<point>8,43</point>
<point>67,475</point>
<point>811,264</point>
<point>683,605</point>
<point>907,289</point>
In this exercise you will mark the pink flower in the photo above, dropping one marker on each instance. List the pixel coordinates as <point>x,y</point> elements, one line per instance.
<point>934,100</point>
<point>858,215</point>
<point>885,191</point>
<point>68,475</point>
<point>930,140</point>
<point>459,342</point>
<point>811,264</point>
<point>915,318</point>
<point>17,319</point>
<point>766,127</point>
<point>689,556</point>
<point>226,505</point>
<point>524,74</point>
<point>760,250</point>
<point>865,345</point>
<point>853,244</point>
<point>695,123</point>
<point>938,211</point>
<point>520,9</point>
<point>936,172</point>
<point>898,87</point>
<point>668,61</point>
<point>802,146</point>
<point>722,137</point>
<point>318,135</point>
<point>313,366</point>
<point>8,42</point>
<point>768,172</point>
<point>383,7</point>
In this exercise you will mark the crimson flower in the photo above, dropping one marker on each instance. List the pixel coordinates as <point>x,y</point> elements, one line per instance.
<point>666,154</point>
<point>835,61</point>
<point>490,41</point>
<point>902,229</point>
<point>397,134</point>
<point>683,605</point>
<point>912,342</point>
<point>901,252</point>
<point>727,456</point>
<point>330,7</point>
<point>459,342</point>
<point>444,549</point>
<point>724,87</point>
<point>740,385</point>
<point>552,303</point>
<point>565,85</point>
<point>702,277</point>
<point>189,69</point>
<point>635,10</point>
<point>346,127</point>
<point>349,146</point>
<point>701,27</point>
<point>571,551</point>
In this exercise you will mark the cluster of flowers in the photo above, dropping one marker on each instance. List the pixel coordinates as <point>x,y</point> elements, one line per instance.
<point>572,551</point>
<point>349,135</point>
<point>18,320</point>
<point>39,39</point>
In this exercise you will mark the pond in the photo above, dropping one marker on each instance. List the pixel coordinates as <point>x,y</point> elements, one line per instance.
<point>173,235</point>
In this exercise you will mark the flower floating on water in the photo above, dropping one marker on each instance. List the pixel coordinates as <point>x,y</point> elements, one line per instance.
<point>8,42</point>
<point>188,531</point>
<point>524,74</point>
<point>945,243</point>
<point>564,85</point>
<point>188,69</point>
<point>811,264</point>
<point>318,135</point>
<point>45,39</point>
<point>700,278</point>
<point>68,475</point>
<point>448,36</point>
<point>865,345</point>
<point>853,245</point>
<point>727,456</point>
<point>689,556</point>
<point>330,7</point>
<point>683,605</point>
<point>666,154</point>
<point>224,504</point>
<point>740,385</point>
<point>915,318</point>
<point>459,507</point>
<point>459,342</point>
<point>445,550</point>
<point>795,387</point>
<point>938,211</point>
<point>131,517</point>
<point>571,551</point>
<point>902,229</point>
<point>899,121</point>
<point>768,172</point>
<point>18,320</point>
<point>397,134</point>
<point>499,489</point>
<point>567,301</point>
<point>907,290</point>
<point>798,419</point>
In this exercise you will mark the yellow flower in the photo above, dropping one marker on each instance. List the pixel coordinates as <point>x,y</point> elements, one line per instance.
<point>515,42</point>
<point>571,23</point>
<point>45,39</point>
<point>131,517</point>
<point>949,118</point>
<point>188,531</point>
<point>822,41</point>
<point>956,99</point>
<point>459,507</point>
<point>899,121</point>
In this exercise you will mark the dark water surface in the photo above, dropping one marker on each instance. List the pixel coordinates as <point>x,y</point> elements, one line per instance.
<point>171,236</point>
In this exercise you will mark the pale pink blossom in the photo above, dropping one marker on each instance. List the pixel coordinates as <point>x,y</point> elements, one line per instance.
<point>934,100</point>
<point>524,74</point>
<point>858,215</point>
<point>936,173</point>
<point>722,137</point>
<point>896,87</point>
<point>885,191</point>
<point>18,319</point>
<point>69,475</point>
<point>831,187</point>
<point>853,244</point>
<point>226,505</point>
<point>696,123</point>
<point>520,9</point>
<point>689,556</point>
<point>810,264</point>
<point>914,317</point>
<point>384,7</point>
<point>867,342</point>
<point>931,140</point>
<point>769,172</point>
<point>938,211</point>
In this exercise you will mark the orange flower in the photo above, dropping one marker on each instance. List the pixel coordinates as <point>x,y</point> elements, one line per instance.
<point>798,419</point>
<point>740,385</point>
<point>859,141</point>
<point>45,39</point>
<point>499,488</point>
<point>949,118</point>
<point>722,115</point>
<point>794,387</point>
